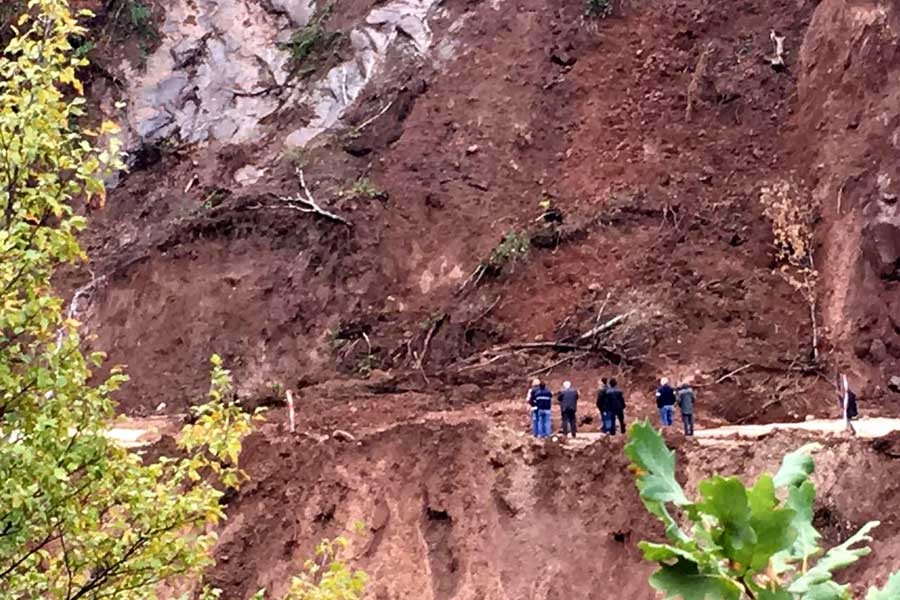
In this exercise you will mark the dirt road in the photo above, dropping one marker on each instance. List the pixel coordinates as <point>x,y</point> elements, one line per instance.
<point>134,433</point>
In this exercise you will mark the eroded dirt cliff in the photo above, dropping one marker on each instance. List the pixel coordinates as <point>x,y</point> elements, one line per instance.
<point>461,510</point>
<point>849,125</point>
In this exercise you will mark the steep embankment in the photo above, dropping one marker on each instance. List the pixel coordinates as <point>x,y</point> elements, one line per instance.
<point>848,127</point>
<point>462,511</point>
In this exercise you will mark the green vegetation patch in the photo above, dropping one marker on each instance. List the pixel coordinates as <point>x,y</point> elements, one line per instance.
<point>735,542</point>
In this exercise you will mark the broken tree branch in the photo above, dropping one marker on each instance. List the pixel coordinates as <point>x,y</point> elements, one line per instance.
<point>694,85</point>
<point>260,92</point>
<point>309,204</point>
<point>776,61</point>
<point>811,297</point>
<point>552,366</point>
<point>474,279</point>
<point>431,331</point>
<point>371,120</point>
<point>485,313</point>
<point>605,326</point>
<point>484,364</point>
<point>762,409</point>
<point>291,417</point>
<point>603,306</point>
<point>733,373</point>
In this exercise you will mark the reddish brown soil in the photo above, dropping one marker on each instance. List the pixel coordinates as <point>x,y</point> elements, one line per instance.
<point>660,213</point>
<point>463,511</point>
<point>661,216</point>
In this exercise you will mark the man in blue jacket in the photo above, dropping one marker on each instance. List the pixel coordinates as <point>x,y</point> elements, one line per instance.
<point>665,402</point>
<point>542,399</point>
<point>568,405</point>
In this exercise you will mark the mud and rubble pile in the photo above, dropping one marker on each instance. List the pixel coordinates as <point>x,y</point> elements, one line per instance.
<point>462,510</point>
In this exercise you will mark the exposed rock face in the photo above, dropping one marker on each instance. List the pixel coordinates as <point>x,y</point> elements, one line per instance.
<point>849,92</point>
<point>338,90</point>
<point>201,82</point>
<point>222,68</point>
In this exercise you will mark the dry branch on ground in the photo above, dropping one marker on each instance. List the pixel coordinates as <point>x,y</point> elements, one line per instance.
<point>306,203</point>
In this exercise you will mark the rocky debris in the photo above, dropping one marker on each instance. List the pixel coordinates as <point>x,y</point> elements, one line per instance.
<point>248,175</point>
<point>343,436</point>
<point>299,11</point>
<point>894,384</point>
<point>204,81</point>
<point>563,58</point>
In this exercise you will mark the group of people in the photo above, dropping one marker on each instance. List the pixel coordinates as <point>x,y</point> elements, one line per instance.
<point>666,399</point>
<point>610,403</point>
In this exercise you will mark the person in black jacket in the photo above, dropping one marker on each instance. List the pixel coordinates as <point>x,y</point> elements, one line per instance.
<point>542,399</point>
<point>606,415</point>
<point>665,402</point>
<point>849,408</point>
<point>616,403</point>
<point>568,405</point>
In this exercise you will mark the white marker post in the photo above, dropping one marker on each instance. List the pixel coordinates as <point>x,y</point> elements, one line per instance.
<point>290,401</point>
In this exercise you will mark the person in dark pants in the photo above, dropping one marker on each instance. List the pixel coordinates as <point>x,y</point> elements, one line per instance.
<point>849,409</point>
<point>686,399</point>
<point>606,415</point>
<point>543,402</point>
<point>616,402</point>
<point>665,402</point>
<point>568,404</point>
<point>852,409</point>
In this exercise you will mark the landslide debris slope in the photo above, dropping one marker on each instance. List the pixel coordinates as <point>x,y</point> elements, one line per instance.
<point>630,152</point>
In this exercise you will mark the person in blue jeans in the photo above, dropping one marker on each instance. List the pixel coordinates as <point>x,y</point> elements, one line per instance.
<point>542,398</point>
<point>665,402</point>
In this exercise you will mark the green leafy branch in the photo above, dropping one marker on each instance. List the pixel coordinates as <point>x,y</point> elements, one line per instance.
<point>327,577</point>
<point>513,247</point>
<point>312,42</point>
<point>80,516</point>
<point>739,543</point>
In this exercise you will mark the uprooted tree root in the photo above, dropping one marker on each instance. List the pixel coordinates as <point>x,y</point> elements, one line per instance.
<point>598,342</point>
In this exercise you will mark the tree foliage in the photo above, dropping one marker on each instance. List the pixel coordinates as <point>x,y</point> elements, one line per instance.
<point>326,577</point>
<point>742,543</point>
<point>80,517</point>
<point>793,220</point>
